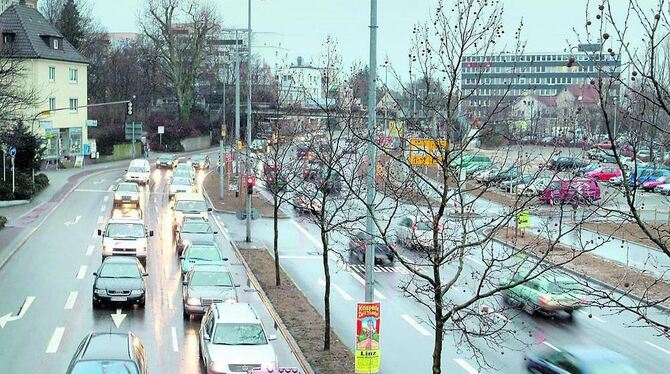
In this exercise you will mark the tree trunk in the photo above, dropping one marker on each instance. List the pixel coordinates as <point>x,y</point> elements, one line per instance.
<point>326,295</point>
<point>276,241</point>
<point>439,322</point>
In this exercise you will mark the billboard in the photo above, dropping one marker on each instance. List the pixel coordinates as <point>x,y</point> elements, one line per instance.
<point>368,320</point>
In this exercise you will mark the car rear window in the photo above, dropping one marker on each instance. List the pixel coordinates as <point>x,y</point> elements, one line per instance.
<point>105,367</point>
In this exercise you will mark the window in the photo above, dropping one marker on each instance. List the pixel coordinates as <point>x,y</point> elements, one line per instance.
<point>73,105</point>
<point>52,103</point>
<point>74,75</point>
<point>56,44</point>
<point>52,73</point>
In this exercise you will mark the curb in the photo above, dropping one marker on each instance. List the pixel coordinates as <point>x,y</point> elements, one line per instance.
<point>587,278</point>
<point>8,203</point>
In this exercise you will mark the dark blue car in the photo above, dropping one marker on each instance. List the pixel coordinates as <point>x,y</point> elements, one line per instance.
<point>582,360</point>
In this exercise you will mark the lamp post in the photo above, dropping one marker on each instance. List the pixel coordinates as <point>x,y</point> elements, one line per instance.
<point>372,121</point>
<point>248,147</point>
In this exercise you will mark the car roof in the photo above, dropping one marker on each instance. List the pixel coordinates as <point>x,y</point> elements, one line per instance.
<point>204,243</point>
<point>235,313</point>
<point>125,220</point>
<point>107,345</point>
<point>218,268</point>
<point>189,196</point>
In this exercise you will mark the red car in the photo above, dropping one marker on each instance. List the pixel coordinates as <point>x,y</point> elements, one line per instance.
<point>649,186</point>
<point>604,173</point>
<point>604,145</point>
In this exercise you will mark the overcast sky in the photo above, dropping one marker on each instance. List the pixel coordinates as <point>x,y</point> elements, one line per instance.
<point>305,23</point>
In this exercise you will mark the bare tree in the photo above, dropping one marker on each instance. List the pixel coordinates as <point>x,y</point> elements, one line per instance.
<point>16,98</point>
<point>179,31</point>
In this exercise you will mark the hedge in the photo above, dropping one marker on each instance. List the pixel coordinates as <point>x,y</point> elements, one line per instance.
<point>24,186</point>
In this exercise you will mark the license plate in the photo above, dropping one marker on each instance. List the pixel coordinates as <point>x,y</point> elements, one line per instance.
<point>126,198</point>
<point>119,298</point>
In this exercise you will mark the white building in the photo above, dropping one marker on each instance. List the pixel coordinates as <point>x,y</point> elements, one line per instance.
<point>269,47</point>
<point>301,84</point>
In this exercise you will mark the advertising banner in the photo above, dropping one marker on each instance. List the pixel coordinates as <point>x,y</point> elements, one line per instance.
<point>368,319</point>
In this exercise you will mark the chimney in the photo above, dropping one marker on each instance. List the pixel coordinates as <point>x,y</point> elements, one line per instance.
<point>30,3</point>
<point>299,62</point>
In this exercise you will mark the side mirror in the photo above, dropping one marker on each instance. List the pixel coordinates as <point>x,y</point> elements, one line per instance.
<point>151,232</point>
<point>216,232</point>
<point>225,259</point>
<point>205,337</point>
<point>95,273</point>
<point>181,257</point>
<point>115,188</point>
<point>272,337</point>
<point>184,282</point>
<point>209,209</point>
<point>99,232</point>
<point>237,285</point>
<point>145,274</point>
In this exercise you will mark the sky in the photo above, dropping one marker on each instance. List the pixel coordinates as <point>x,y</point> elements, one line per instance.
<point>304,24</point>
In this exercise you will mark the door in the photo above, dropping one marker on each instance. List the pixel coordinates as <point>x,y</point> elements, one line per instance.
<point>206,331</point>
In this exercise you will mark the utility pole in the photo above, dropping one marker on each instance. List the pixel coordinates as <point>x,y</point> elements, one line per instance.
<point>372,159</point>
<point>248,147</point>
<point>237,103</point>
<point>221,138</point>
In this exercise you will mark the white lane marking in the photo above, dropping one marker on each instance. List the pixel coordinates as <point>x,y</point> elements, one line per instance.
<point>111,188</point>
<point>592,316</point>
<point>362,281</point>
<point>82,271</point>
<point>342,292</point>
<point>467,367</point>
<point>551,346</point>
<point>657,347</point>
<point>95,233</point>
<point>169,301</point>
<point>100,218</point>
<point>69,304</point>
<point>412,322</point>
<point>309,236</point>
<point>89,250</point>
<point>54,342</point>
<point>156,208</point>
<point>106,198</point>
<point>175,344</point>
<point>118,180</point>
<point>103,208</point>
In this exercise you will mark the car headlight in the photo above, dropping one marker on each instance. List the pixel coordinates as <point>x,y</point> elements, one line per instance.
<point>100,292</point>
<point>193,301</point>
<point>106,249</point>
<point>217,367</point>
<point>136,292</point>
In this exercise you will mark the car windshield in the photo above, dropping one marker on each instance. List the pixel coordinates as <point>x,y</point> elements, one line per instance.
<point>125,230</point>
<point>127,187</point>
<point>563,286</point>
<point>190,206</point>
<point>211,278</point>
<point>181,182</point>
<point>198,158</point>
<point>239,334</point>
<point>105,367</point>
<point>135,169</point>
<point>196,227</point>
<point>119,271</point>
<point>203,252</point>
<point>166,157</point>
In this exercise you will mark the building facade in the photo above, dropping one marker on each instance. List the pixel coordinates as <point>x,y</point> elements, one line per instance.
<point>301,84</point>
<point>485,79</point>
<point>56,71</point>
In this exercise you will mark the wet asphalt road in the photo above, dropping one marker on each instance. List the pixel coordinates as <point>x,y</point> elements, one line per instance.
<point>54,268</point>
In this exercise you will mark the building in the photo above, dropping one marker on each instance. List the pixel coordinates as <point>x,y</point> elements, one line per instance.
<point>269,48</point>
<point>118,40</point>
<point>484,79</point>
<point>56,71</point>
<point>4,4</point>
<point>301,84</point>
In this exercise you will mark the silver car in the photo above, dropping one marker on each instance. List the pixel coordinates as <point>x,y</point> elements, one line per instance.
<point>233,340</point>
<point>178,185</point>
<point>205,285</point>
<point>126,193</point>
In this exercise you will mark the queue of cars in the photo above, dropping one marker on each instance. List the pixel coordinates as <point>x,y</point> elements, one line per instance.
<point>232,337</point>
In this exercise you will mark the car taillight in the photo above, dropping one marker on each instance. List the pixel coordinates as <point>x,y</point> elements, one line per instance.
<point>582,300</point>
<point>545,300</point>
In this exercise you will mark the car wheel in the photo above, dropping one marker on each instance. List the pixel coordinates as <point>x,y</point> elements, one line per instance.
<point>96,304</point>
<point>142,303</point>
<point>186,316</point>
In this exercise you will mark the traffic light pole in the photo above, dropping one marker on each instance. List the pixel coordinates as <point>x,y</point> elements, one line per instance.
<point>248,147</point>
<point>372,124</point>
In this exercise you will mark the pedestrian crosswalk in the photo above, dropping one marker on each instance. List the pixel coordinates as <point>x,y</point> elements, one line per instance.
<point>360,268</point>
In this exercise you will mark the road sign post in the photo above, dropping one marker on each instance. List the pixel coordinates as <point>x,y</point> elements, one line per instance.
<point>161,131</point>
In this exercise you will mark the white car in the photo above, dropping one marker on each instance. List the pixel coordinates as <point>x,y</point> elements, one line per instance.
<point>179,184</point>
<point>125,237</point>
<point>139,171</point>
<point>534,188</point>
<point>663,189</point>
<point>126,193</point>
<point>486,175</point>
<point>414,234</point>
<point>185,168</point>
<point>234,340</point>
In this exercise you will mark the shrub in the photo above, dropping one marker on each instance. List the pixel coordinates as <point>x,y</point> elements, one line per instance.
<point>3,221</point>
<point>24,186</point>
<point>41,182</point>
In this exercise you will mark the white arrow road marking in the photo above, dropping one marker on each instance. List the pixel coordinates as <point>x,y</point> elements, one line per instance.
<point>24,308</point>
<point>467,367</point>
<point>82,271</point>
<point>118,318</point>
<point>69,304</point>
<point>175,344</point>
<point>89,250</point>
<point>103,208</point>
<point>54,342</point>
<point>343,293</point>
<point>76,220</point>
<point>415,324</point>
<point>100,218</point>
<point>657,347</point>
<point>99,181</point>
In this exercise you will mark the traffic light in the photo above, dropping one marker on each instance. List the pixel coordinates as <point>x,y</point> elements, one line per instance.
<point>251,180</point>
<point>130,108</point>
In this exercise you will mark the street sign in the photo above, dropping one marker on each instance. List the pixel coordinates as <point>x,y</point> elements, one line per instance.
<point>133,131</point>
<point>395,128</point>
<point>241,214</point>
<point>161,129</point>
<point>12,151</point>
<point>425,152</point>
<point>523,219</point>
<point>92,122</point>
<point>79,161</point>
<point>368,350</point>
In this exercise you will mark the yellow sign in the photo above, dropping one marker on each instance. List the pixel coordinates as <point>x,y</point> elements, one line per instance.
<point>523,220</point>
<point>395,128</point>
<point>239,144</point>
<point>424,152</point>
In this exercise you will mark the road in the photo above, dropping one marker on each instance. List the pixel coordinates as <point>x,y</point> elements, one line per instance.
<point>54,268</point>
<point>406,331</point>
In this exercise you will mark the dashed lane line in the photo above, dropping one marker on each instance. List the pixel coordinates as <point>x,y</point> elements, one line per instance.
<point>100,218</point>
<point>89,250</point>
<point>175,343</point>
<point>657,347</point>
<point>551,346</point>
<point>169,302</point>
<point>95,233</point>
<point>103,207</point>
<point>106,198</point>
<point>82,271</point>
<point>412,322</point>
<point>69,304</point>
<point>54,342</point>
<point>467,367</point>
<point>338,289</point>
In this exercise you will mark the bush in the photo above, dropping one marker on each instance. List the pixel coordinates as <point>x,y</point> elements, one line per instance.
<point>24,186</point>
<point>3,221</point>
<point>41,182</point>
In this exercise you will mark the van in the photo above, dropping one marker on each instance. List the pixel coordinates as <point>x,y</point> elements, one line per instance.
<point>188,205</point>
<point>576,190</point>
<point>139,171</point>
<point>126,236</point>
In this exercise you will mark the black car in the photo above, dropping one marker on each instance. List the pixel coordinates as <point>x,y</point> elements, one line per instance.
<point>119,280</point>
<point>108,352</point>
<point>566,163</point>
<point>167,161</point>
<point>200,161</point>
<point>384,254</point>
